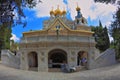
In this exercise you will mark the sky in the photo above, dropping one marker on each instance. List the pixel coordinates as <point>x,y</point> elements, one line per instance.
<point>92,11</point>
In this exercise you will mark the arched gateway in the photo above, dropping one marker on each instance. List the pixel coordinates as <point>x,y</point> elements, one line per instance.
<point>32,61</point>
<point>56,58</point>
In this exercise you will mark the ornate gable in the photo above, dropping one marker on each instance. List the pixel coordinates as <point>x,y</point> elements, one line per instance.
<point>57,26</point>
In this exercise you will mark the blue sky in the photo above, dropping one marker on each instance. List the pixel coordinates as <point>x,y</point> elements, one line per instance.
<point>93,12</point>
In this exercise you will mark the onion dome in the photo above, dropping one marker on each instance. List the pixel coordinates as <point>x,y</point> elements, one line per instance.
<point>51,12</point>
<point>63,12</point>
<point>57,11</point>
<point>77,8</point>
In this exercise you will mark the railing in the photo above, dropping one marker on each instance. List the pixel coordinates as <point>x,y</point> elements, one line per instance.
<point>105,53</point>
<point>57,39</point>
<point>107,58</point>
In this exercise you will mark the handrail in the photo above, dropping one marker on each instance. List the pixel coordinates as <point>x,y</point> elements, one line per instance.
<point>105,53</point>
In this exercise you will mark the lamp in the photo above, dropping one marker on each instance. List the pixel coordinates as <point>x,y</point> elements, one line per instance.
<point>57,30</point>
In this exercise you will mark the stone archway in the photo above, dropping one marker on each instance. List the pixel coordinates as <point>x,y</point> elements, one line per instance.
<point>56,58</point>
<point>82,58</point>
<point>33,61</point>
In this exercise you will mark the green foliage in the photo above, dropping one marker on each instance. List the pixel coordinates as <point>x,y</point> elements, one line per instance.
<point>115,31</point>
<point>101,37</point>
<point>5,34</point>
<point>106,1</point>
<point>11,9</point>
<point>14,46</point>
<point>11,14</point>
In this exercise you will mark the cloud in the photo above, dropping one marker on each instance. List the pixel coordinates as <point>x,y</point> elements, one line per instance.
<point>89,8</point>
<point>110,38</point>
<point>14,37</point>
<point>43,9</point>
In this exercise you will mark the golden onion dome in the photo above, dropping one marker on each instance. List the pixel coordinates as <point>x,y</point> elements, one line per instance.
<point>51,12</point>
<point>57,11</point>
<point>63,12</point>
<point>77,8</point>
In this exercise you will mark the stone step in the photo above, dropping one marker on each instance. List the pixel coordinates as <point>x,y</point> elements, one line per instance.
<point>33,69</point>
<point>54,70</point>
<point>80,68</point>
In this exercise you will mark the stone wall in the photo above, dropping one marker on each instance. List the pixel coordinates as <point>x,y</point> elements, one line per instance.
<point>10,59</point>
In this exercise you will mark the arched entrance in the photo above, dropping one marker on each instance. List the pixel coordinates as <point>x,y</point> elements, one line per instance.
<point>33,61</point>
<point>82,58</point>
<point>56,58</point>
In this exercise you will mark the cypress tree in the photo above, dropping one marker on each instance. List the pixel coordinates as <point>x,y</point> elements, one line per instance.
<point>101,37</point>
<point>106,38</point>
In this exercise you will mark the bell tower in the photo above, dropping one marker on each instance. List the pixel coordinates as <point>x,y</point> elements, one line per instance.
<point>79,19</point>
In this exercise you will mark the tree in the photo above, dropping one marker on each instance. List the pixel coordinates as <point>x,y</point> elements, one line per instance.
<point>14,46</point>
<point>106,37</point>
<point>11,11</point>
<point>115,33</point>
<point>5,35</point>
<point>115,26</point>
<point>106,1</point>
<point>101,37</point>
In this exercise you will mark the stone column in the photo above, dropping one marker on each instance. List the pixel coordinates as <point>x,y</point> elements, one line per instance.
<point>71,58</point>
<point>68,58</point>
<point>24,60</point>
<point>90,58</point>
<point>43,61</point>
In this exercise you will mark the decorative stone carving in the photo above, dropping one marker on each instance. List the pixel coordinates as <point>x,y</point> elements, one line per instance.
<point>22,55</point>
<point>72,59</point>
<point>72,53</point>
<point>42,59</point>
<point>42,54</point>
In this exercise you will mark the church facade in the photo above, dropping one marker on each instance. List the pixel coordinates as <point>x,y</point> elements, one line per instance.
<point>61,41</point>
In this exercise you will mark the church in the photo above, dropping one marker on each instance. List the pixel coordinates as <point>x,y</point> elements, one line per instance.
<point>61,41</point>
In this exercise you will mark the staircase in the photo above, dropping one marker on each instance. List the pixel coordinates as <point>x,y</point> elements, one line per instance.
<point>106,58</point>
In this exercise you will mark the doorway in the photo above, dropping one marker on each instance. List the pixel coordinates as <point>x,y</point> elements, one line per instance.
<point>56,58</point>
<point>33,61</point>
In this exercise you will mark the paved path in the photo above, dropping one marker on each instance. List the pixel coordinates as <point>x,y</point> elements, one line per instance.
<point>107,73</point>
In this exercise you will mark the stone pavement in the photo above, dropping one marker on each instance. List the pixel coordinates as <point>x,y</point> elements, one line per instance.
<point>106,73</point>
